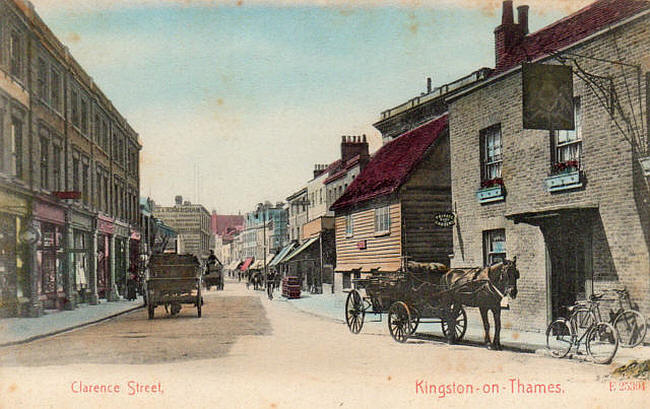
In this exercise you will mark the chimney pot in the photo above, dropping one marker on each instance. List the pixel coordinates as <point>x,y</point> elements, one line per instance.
<point>428,85</point>
<point>522,18</point>
<point>343,138</point>
<point>507,17</point>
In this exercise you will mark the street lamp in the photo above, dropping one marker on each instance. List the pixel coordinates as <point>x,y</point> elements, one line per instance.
<point>262,208</point>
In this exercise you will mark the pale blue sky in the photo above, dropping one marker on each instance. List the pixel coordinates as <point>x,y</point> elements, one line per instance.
<point>255,95</point>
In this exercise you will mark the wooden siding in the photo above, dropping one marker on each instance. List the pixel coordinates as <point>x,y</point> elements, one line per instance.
<point>382,252</point>
<point>427,192</point>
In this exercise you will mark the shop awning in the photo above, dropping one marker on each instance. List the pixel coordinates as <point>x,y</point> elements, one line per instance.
<point>304,246</point>
<point>269,259</point>
<point>539,217</point>
<point>257,265</point>
<point>247,263</point>
<point>282,254</point>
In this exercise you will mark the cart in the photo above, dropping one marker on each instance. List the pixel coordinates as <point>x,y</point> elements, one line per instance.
<point>174,279</point>
<point>410,297</point>
<point>213,277</point>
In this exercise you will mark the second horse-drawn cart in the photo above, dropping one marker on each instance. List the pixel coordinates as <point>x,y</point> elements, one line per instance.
<point>174,279</point>
<point>409,297</point>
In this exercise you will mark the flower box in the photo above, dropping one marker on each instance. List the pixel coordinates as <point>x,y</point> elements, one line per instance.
<point>564,181</point>
<point>490,194</point>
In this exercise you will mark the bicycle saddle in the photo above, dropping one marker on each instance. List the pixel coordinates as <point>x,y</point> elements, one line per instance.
<point>596,296</point>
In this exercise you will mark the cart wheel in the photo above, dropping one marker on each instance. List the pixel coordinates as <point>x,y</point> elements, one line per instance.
<point>175,309</point>
<point>399,321</point>
<point>199,303</point>
<point>354,312</point>
<point>458,319</point>
<point>198,309</point>
<point>151,311</point>
<point>415,320</point>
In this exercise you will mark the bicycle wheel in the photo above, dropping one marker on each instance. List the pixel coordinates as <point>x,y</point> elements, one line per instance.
<point>559,339</point>
<point>602,342</point>
<point>581,321</point>
<point>631,327</point>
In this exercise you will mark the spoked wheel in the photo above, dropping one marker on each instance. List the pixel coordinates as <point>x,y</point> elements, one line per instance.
<point>354,312</point>
<point>581,320</point>
<point>602,343</point>
<point>559,339</point>
<point>415,320</point>
<point>199,303</point>
<point>631,327</point>
<point>399,321</point>
<point>457,318</point>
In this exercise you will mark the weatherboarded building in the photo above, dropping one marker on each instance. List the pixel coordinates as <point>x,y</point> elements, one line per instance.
<point>385,214</point>
<point>571,205</point>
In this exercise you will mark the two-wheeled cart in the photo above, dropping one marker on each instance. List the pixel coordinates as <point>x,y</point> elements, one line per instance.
<point>409,297</point>
<point>173,280</point>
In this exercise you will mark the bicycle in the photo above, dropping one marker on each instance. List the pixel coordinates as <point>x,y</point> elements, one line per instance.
<point>584,325</point>
<point>630,324</point>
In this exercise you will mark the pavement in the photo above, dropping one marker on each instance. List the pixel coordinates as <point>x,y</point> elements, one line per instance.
<point>332,306</point>
<point>20,330</point>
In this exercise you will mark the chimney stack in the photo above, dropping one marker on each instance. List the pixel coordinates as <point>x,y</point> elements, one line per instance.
<point>353,146</point>
<point>319,169</point>
<point>522,18</point>
<point>509,34</point>
<point>428,85</point>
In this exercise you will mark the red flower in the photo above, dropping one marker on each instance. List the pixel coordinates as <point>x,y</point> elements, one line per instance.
<point>491,183</point>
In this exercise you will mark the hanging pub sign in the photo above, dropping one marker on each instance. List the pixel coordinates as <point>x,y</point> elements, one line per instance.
<point>445,219</point>
<point>547,92</point>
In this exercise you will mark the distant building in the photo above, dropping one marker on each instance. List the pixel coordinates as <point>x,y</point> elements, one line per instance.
<point>298,213</point>
<point>191,222</point>
<point>222,228</point>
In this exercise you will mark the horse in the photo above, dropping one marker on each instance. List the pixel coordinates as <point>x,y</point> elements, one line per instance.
<point>484,288</point>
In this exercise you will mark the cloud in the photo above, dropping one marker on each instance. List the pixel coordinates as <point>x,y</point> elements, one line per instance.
<point>488,6</point>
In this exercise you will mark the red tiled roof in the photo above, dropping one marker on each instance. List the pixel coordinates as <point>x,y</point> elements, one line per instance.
<point>336,172</point>
<point>391,165</point>
<point>221,222</point>
<point>570,29</point>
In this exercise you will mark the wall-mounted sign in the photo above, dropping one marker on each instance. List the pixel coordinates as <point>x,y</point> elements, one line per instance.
<point>30,235</point>
<point>445,219</point>
<point>547,92</point>
<point>362,244</point>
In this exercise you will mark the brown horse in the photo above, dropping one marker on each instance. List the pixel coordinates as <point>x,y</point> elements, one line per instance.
<point>484,288</point>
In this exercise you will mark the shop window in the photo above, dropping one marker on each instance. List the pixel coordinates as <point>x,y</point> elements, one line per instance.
<point>491,153</point>
<point>382,219</point>
<point>494,246</point>
<point>568,144</point>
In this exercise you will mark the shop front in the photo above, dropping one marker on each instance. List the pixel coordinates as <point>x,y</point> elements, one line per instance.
<point>105,232</point>
<point>14,257</point>
<point>121,258</point>
<point>81,227</point>
<point>50,254</point>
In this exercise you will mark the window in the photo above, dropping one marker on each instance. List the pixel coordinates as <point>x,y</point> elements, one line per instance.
<point>17,147</point>
<point>382,219</point>
<point>55,97</point>
<point>44,163</point>
<point>86,181</point>
<point>494,247</point>
<point>56,166</point>
<point>99,199</point>
<point>568,144</point>
<point>84,115</point>
<point>16,54</point>
<point>42,80</point>
<point>491,153</point>
<point>349,226</point>
<point>104,142</point>
<point>76,173</point>
<point>74,107</point>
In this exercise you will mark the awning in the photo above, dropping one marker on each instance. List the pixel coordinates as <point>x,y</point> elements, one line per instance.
<point>257,265</point>
<point>542,215</point>
<point>246,264</point>
<point>300,249</point>
<point>269,259</point>
<point>282,254</point>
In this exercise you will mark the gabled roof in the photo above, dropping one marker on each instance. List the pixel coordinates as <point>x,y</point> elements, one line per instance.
<point>390,167</point>
<point>570,29</point>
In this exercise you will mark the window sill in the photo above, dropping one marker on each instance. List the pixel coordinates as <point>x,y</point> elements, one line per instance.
<point>349,236</point>
<point>491,194</point>
<point>382,233</point>
<point>564,181</point>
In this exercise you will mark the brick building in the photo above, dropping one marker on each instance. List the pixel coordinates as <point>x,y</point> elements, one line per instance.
<point>192,224</point>
<point>572,206</point>
<point>60,134</point>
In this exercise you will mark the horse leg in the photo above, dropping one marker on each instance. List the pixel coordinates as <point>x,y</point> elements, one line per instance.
<point>496,313</point>
<point>486,326</point>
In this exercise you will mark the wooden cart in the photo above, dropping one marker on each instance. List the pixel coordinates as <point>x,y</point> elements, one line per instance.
<point>213,277</point>
<point>174,279</point>
<point>409,297</point>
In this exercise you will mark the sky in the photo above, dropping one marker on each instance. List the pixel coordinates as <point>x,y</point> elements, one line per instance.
<point>235,101</point>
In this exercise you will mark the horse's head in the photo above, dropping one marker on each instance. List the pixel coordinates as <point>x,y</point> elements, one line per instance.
<point>504,276</point>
